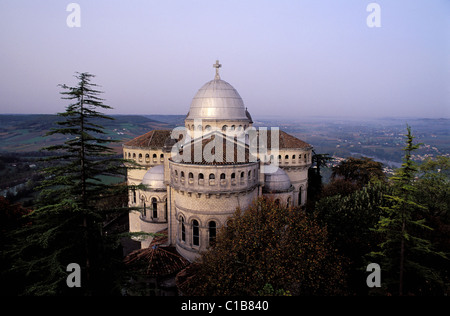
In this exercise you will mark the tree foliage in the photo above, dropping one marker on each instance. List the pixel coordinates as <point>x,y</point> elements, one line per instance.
<point>268,249</point>
<point>359,170</point>
<point>349,217</point>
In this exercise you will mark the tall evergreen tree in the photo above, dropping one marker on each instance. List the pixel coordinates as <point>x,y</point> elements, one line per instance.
<point>67,225</point>
<point>315,178</point>
<point>403,247</point>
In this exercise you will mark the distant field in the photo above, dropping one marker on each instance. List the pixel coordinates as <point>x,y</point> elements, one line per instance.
<point>382,138</point>
<point>26,133</point>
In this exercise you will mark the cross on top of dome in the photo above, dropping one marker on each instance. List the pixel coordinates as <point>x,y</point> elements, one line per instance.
<point>217,66</point>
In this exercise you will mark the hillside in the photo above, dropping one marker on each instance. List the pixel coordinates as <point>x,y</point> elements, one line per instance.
<point>380,138</point>
<point>25,133</point>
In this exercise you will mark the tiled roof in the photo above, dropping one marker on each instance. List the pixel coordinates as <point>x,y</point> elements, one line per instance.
<point>157,260</point>
<point>240,152</point>
<point>155,138</point>
<point>286,141</point>
<point>185,277</point>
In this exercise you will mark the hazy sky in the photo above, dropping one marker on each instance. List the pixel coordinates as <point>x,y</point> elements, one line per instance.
<point>288,58</point>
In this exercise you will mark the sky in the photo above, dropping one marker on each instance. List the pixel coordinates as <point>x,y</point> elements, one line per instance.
<point>286,58</point>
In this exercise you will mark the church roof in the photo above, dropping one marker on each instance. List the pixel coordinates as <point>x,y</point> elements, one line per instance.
<point>157,260</point>
<point>159,138</point>
<point>216,149</point>
<point>286,141</point>
<point>154,138</point>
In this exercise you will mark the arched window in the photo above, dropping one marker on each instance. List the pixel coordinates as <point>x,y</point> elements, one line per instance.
<point>300,196</point>
<point>207,128</point>
<point>293,157</point>
<point>183,230</point>
<point>288,202</point>
<point>286,157</point>
<point>212,228</point>
<point>140,157</point>
<point>154,208</point>
<point>200,178</point>
<point>212,178</point>
<point>195,233</point>
<point>191,176</point>
<point>233,178</point>
<point>249,174</point>
<point>144,210</point>
<point>222,176</point>
<point>242,175</point>
<point>147,157</point>
<point>224,128</point>
<point>182,174</point>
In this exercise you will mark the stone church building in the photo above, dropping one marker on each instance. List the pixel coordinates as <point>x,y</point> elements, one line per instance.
<point>194,177</point>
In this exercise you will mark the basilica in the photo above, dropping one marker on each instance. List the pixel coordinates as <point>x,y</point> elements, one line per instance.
<point>191,179</point>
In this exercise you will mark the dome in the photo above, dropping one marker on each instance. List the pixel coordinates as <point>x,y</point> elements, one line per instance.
<point>217,100</point>
<point>154,178</point>
<point>277,181</point>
